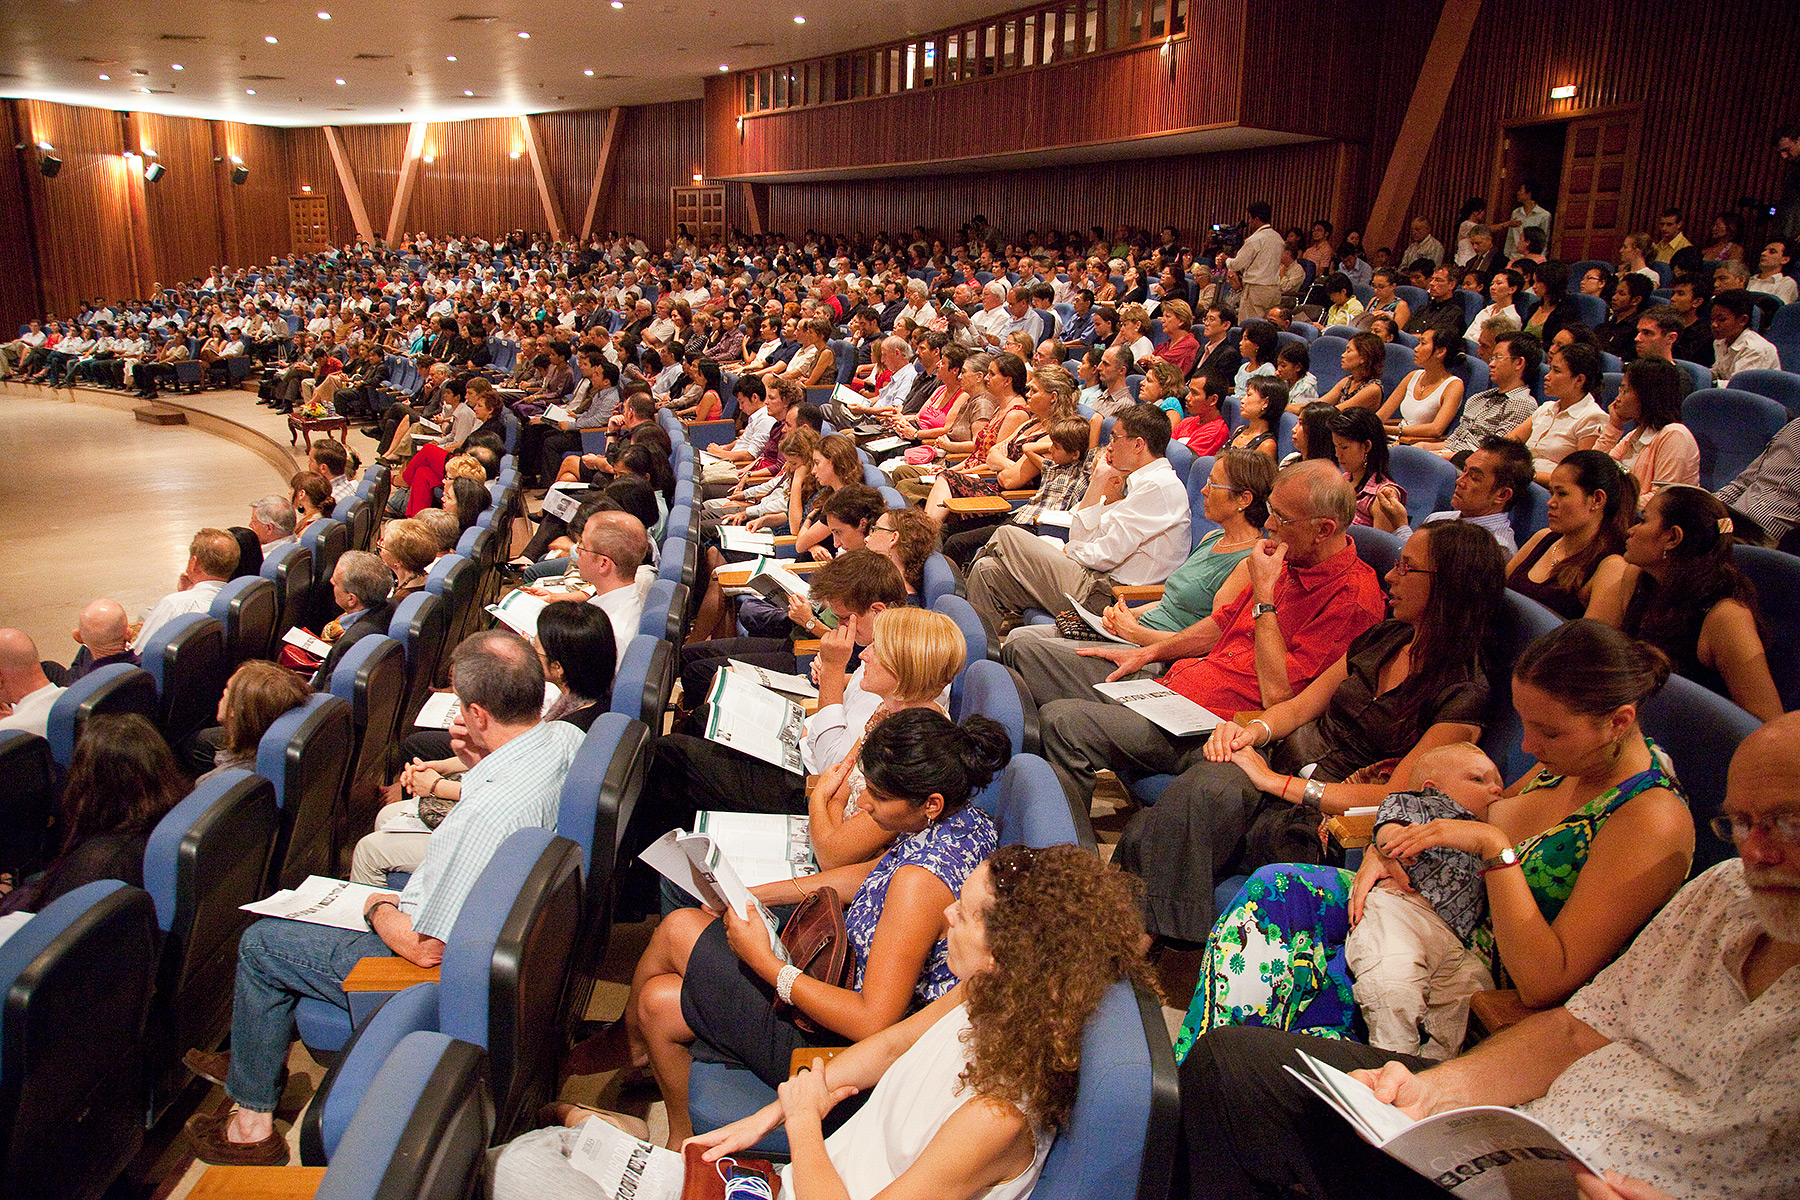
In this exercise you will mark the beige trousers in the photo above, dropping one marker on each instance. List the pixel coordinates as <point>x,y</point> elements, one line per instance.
<point>1413,976</point>
<point>1018,570</point>
<point>388,849</point>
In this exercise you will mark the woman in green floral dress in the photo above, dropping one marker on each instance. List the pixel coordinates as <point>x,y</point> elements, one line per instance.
<point>1602,834</point>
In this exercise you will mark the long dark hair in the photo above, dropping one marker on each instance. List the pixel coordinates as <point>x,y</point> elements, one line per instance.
<point>1315,419</point>
<point>1596,471</point>
<point>1660,387</point>
<point>1470,579</point>
<point>1362,425</point>
<point>1701,573</point>
<point>471,499</point>
<point>578,638</point>
<point>122,779</point>
<point>918,752</point>
<point>1592,668</point>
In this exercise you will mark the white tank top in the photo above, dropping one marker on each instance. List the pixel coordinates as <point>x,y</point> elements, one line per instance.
<point>1419,410</point>
<point>904,1112</point>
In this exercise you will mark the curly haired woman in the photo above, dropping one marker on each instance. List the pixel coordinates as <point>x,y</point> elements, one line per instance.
<point>970,1090</point>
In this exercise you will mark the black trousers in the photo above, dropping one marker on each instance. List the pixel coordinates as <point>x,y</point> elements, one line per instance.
<point>1253,1132</point>
<point>967,538</point>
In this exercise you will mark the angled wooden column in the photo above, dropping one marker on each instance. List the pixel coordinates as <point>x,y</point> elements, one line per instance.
<point>547,197</point>
<point>347,180</point>
<point>409,171</point>
<point>228,228</point>
<point>756,206</point>
<point>1424,112</point>
<point>602,169</point>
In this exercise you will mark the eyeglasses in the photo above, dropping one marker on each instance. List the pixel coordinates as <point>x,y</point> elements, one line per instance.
<point>1735,827</point>
<point>1403,568</point>
<point>1009,865</point>
<point>589,551</point>
<point>1277,521</point>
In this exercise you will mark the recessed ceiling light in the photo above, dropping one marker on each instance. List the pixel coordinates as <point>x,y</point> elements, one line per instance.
<point>524,34</point>
<point>799,20</point>
<point>176,67</point>
<point>723,67</point>
<point>271,39</point>
<point>108,78</point>
<point>324,16</point>
<point>467,92</point>
<point>340,83</point>
<point>449,58</point>
<point>249,91</point>
<point>589,72</point>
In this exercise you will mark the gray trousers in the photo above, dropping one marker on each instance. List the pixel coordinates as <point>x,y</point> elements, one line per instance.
<point>1053,667</point>
<point>1084,737</point>
<point>1020,570</point>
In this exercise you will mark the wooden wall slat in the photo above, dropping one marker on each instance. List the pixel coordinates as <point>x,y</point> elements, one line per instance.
<point>570,143</point>
<point>21,296</point>
<point>375,153</point>
<point>660,147</point>
<point>474,187</point>
<point>83,215</point>
<point>259,204</point>
<point>309,162</point>
<point>185,234</point>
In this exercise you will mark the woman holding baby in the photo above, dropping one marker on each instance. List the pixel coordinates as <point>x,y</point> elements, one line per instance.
<point>1575,857</point>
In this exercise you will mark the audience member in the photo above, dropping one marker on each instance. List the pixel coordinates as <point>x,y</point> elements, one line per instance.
<point>1573,564</point>
<point>1571,418</point>
<point>1736,346</point>
<point>1659,450</point>
<point>212,557</point>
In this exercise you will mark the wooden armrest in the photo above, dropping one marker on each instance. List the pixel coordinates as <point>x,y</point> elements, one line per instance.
<point>1352,832</point>
<point>1494,1011</point>
<point>1017,493</point>
<point>258,1183</point>
<point>759,476</point>
<point>805,646</point>
<point>1247,716</point>
<point>393,974</point>
<point>804,1056</point>
<point>732,578</point>
<point>1137,593</point>
<point>786,539</point>
<point>969,505</point>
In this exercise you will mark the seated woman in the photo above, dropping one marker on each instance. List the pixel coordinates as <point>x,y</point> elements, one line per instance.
<point>1386,302</point>
<point>1237,501</point>
<point>1182,348</point>
<point>844,516</point>
<point>781,501</point>
<point>711,983</point>
<point>1586,846</point>
<point>1264,401</point>
<point>835,466</point>
<point>1659,449</point>
<point>1425,404</point>
<point>1571,419</point>
<point>465,496</point>
<point>907,538</point>
<point>1503,290</point>
<point>575,644</point>
<point>1312,434</point>
<point>1573,566</point>
<point>1258,345</point>
<point>975,1084</point>
<point>121,781</point>
<point>310,496</point>
<point>1016,422</point>
<point>1549,282</point>
<point>1404,687</point>
<point>950,410</point>
<point>1361,446</point>
<point>408,549</point>
<point>1681,592</point>
<point>1164,387</point>
<point>1342,306</point>
<point>703,399</point>
<point>813,365</point>
<point>1134,331</point>
<point>1360,387</point>
<point>256,694</point>
<point>1293,366</point>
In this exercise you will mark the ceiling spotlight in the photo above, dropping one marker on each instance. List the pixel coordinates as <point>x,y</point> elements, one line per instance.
<point>270,38</point>
<point>525,35</point>
<point>340,83</point>
<point>176,67</point>
<point>467,92</point>
<point>799,20</point>
<point>589,73</point>
<point>106,78</point>
<point>449,58</point>
<point>324,16</point>
<point>249,91</point>
<point>618,3</point>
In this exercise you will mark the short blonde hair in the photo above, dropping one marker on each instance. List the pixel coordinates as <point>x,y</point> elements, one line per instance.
<point>1135,312</point>
<point>924,650</point>
<point>464,466</point>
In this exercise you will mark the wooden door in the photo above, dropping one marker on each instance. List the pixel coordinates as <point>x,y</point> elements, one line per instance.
<point>309,224</point>
<point>1599,168</point>
<point>702,210</point>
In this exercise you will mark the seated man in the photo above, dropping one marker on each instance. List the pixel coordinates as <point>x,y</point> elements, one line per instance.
<point>1501,408</point>
<point>516,768</point>
<point>1764,499</point>
<point>1677,1067</point>
<point>212,559</point>
<point>1307,580</point>
<point>101,631</point>
<point>272,520</point>
<point>1495,479</point>
<point>1130,528</point>
<point>330,459</point>
<point>613,546</point>
<point>360,586</point>
<point>1736,346</point>
<point>26,693</point>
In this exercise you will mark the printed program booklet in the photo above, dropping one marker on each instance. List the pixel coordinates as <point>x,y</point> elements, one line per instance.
<point>759,721</point>
<point>624,1167</point>
<point>698,866</point>
<point>1171,710</point>
<point>761,847</point>
<point>320,901</point>
<point>779,681</point>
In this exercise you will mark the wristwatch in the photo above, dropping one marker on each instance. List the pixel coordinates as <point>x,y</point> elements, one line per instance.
<point>1508,857</point>
<point>1261,610</point>
<point>369,917</point>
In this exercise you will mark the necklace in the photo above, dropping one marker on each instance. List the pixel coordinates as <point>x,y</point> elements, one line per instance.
<point>1224,545</point>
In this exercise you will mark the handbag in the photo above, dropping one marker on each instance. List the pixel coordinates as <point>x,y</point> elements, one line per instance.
<point>817,942</point>
<point>1070,625</point>
<point>919,456</point>
<point>702,1180</point>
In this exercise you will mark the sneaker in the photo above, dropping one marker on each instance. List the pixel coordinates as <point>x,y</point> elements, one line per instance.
<point>206,1137</point>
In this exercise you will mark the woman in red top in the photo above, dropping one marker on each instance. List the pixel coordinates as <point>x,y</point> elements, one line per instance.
<point>1182,348</point>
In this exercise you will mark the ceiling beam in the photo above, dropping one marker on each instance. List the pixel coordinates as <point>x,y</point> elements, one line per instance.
<point>615,117</point>
<point>1424,112</point>
<point>552,209</point>
<point>409,171</point>
<point>347,181</point>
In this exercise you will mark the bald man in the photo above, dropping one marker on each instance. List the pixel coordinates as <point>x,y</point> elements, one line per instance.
<point>101,632</point>
<point>26,693</point>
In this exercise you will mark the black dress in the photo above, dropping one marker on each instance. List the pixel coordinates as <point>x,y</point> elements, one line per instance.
<point>1565,604</point>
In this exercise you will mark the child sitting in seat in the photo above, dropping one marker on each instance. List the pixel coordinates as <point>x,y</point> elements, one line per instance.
<point>1413,972</point>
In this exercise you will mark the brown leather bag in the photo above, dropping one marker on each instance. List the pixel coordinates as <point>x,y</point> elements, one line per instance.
<point>816,942</point>
<point>705,1181</point>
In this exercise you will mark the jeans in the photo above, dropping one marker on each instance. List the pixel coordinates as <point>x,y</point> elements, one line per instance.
<point>549,568</point>
<point>279,962</point>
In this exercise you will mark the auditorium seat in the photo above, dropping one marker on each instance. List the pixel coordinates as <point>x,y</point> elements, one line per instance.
<point>645,680</point>
<point>1198,476</point>
<point>27,802</point>
<point>1533,515</point>
<point>1781,386</point>
<point>1378,548</point>
<point>119,688</point>
<point>327,539</point>
<point>975,638</point>
<point>500,987</point>
<point>247,609</point>
<point>77,978</point>
<point>1700,730</point>
<point>1428,480</point>
<point>206,857</point>
<point>290,569</point>
<point>665,611</point>
<point>306,755</point>
<point>421,626</point>
<point>1519,621</point>
<point>989,689</point>
<point>358,515</point>
<point>371,678</point>
<point>186,657</point>
<point>1732,427</point>
<point>1327,354</point>
<point>1776,575</point>
<point>453,579</point>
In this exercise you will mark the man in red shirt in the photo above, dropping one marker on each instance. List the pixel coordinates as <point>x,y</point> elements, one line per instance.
<point>1309,595</point>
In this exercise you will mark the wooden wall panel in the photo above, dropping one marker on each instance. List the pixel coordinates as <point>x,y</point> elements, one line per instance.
<point>660,147</point>
<point>1307,70</point>
<point>375,153</point>
<point>21,293</point>
<point>1187,191</point>
<point>1108,98</point>
<point>1714,80</point>
<point>474,187</point>
<point>186,235</point>
<point>259,220</point>
<point>82,216</point>
<point>309,162</point>
<point>570,143</point>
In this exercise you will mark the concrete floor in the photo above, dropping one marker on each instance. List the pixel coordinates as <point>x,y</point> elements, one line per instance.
<point>96,503</point>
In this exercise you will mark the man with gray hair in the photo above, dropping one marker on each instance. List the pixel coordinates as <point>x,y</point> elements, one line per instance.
<point>992,322</point>
<point>892,381</point>
<point>516,764</point>
<point>613,546</point>
<point>1309,596</point>
<point>360,584</point>
<point>272,520</point>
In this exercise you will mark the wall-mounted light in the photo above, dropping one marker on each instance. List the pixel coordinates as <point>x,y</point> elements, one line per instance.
<point>154,172</point>
<point>515,153</point>
<point>740,129</point>
<point>306,187</point>
<point>429,158</point>
<point>48,163</point>
<point>1566,92</point>
<point>699,178</point>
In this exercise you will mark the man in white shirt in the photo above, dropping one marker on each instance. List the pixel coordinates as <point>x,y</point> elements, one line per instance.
<point>212,557</point>
<point>897,373</point>
<point>1528,215</point>
<point>26,693</point>
<point>918,308</point>
<point>272,521</point>
<point>1130,528</point>
<point>990,323</point>
<point>1423,245</point>
<point>1258,264</point>
<point>1737,347</point>
<point>13,353</point>
<point>1677,1070</point>
<point>1771,275</point>
<point>750,391</point>
<point>612,547</point>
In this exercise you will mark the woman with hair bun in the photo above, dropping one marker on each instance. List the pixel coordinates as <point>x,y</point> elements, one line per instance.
<point>710,983</point>
<point>965,1096</point>
<point>1682,593</point>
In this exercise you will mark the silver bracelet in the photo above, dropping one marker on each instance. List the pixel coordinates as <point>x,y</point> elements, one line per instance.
<point>1313,794</point>
<point>1266,729</point>
<point>784,982</point>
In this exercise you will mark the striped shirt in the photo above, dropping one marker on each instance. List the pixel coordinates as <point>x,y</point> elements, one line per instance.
<point>516,787</point>
<point>1768,490</point>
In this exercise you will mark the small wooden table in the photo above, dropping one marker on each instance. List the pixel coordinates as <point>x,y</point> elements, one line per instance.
<point>304,427</point>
